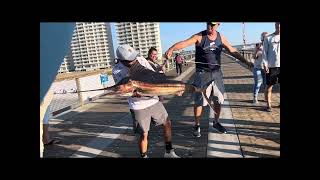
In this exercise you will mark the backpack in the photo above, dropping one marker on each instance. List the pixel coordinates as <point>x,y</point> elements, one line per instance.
<point>179,59</point>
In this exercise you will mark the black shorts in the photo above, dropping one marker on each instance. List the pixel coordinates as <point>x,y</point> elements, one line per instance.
<point>273,77</point>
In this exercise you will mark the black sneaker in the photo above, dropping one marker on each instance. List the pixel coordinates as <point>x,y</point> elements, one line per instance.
<point>269,109</point>
<point>219,128</point>
<point>196,131</point>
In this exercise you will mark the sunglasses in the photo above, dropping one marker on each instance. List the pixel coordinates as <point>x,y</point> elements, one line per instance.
<point>213,24</point>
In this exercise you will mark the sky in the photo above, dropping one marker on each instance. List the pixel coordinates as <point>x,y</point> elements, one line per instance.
<point>170,33</point>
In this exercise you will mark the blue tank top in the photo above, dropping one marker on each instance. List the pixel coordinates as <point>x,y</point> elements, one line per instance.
<point>208,51</point>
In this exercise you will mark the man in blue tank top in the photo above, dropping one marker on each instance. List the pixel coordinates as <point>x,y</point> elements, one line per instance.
<point>208,44</point>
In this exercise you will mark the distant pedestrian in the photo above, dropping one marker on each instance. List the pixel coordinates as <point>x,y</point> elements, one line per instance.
<point>258,70</point>
<point>179,61</point>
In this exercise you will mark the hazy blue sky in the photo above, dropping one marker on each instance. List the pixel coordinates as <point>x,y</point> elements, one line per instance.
<point>171,33</point>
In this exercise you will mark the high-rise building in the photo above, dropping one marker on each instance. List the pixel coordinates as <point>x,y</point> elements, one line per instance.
<point>140,35</point>
<point>67,64</point>
<point>91,47</point>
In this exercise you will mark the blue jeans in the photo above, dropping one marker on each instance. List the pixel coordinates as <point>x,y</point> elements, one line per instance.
<point>259,78</point>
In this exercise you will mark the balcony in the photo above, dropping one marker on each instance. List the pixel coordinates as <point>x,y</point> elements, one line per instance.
<point>122,30</point>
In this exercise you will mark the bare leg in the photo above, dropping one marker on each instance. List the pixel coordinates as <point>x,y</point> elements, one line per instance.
<point>217,109</point>
<point>167,131</point>
<point>143,143</point>
<point>167,128</point>
<point>197,114</point>
<point>269,94</point>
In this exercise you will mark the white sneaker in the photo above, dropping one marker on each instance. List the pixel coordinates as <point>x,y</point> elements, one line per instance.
<point>172,154</point>
<point>146,156</point>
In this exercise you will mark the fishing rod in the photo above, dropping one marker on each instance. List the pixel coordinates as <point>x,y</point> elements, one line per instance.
<point>108,88</point>
<point>204,63</point>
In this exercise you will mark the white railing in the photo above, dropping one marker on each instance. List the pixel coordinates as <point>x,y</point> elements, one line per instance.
<point>63,100</point>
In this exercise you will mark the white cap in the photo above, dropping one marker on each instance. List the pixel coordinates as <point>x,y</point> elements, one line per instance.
<point>126,52</point>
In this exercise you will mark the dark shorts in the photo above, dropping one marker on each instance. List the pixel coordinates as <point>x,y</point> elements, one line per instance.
<point>273,77</point>
<point>143,117</point>
<point>214,82</point>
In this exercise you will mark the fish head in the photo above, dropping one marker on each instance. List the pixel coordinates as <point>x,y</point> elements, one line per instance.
<point>125,88</point>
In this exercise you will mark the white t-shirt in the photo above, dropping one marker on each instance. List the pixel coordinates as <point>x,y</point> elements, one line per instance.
<point>120,71</point>
<point>271,50</point>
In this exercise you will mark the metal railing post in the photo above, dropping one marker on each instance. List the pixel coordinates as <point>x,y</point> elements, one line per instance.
<point>78,90</point>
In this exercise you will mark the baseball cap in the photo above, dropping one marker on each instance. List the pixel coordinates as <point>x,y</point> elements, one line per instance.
<point>126,52</point>
<point>212,23</point>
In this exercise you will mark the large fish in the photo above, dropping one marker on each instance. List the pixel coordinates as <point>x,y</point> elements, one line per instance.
<point>149,83</point>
